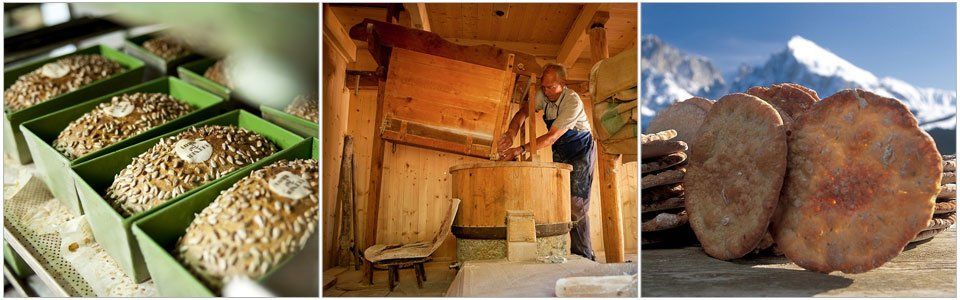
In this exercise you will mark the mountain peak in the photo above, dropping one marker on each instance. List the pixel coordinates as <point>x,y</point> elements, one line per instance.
<point>823,62</point>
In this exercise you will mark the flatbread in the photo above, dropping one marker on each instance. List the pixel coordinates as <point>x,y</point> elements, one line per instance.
<point>805,89</point>
<point>789,100</point>
<point>734,175</point>
<point>927,234</point>
<point>948,191</point>
<point>660,193</point>
<point>662,162</point>
<point>950,177</point>
<point>684,116</point>
<point>664,221</point>
<point>950,163</point>
<point>861,183</point>
<point>945,207</point>
<point>671,203</point>
<point>662,178</point>
<point>661,148</point>
<point>942,221</point>
<point>665,135</point>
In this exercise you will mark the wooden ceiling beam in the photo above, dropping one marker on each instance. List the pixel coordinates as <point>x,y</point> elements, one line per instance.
<point>337,36</point>
<point>535,49</point>
<point>418,15</point>
<point>576,39</point>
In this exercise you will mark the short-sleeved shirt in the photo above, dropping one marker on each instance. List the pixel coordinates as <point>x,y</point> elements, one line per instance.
<point>567,112</point>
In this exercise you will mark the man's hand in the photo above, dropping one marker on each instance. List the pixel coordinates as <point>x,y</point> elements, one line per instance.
<point>511,154</point>
<point>506,140</point>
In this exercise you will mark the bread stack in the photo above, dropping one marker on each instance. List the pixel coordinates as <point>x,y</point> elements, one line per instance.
<point>167,48</point>
<point>664,219</point>
<point>183,162</point>
<point>945,210</point>
<point>254,225</point>
<point>306,107</point>
<point>56,78</point>
<point>122,117</point>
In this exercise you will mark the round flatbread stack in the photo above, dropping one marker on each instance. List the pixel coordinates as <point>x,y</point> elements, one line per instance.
<point>684,117</point>
<point>734,175</point>
<point>664,220</point>
<point>945,208</point>
<point>861,183</point>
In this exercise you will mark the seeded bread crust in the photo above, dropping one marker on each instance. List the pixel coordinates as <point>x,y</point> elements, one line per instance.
<point>306,107</point>
<point>33,88</point>
<point>166,47</point>
<point>98,128</point>
<point>160,174</point>
<point>249,229</point>
<point>217,73</point>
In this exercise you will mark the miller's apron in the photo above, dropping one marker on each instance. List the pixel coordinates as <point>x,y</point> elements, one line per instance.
<point>577,149</point>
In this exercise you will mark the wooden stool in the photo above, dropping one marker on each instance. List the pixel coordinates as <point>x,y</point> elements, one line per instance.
<point>393,266</point>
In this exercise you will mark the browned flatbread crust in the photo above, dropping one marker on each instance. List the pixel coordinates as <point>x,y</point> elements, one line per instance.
<point>684,116</point>
<point>945,207</point>
<point>734,175</point>
<point>671,203</point>
<point>664,221</point>
<point>662,162</point>
<point>950,163</point>
<point>927,234</point>
<point>861,183</point>
<point>663,178</point>
<point>950,177</point>
<point>665,135</point>
<point>661,148</point>
<point>805,89</point>
<point>789,100</point>
<point>948,191</point>
<point>660,193</point>
<point>942,221</point>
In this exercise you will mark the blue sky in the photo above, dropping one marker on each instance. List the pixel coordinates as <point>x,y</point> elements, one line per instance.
<point>912,42</point>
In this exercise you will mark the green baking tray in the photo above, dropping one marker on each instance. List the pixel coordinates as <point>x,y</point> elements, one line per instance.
<point>158,233</point>
<point>298,125</point>
<point>53,165</point>
<point>18,266</point>
<point>112,230</point>
<point>156,66</point>
<point>14,144</point>
<point>192,73</point>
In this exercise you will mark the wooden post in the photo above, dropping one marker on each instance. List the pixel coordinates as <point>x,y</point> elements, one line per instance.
<point>611,217</point>
<point>503,107</point>
<point>532,116</point>
<point>376,174</point>
<point>345,227</point>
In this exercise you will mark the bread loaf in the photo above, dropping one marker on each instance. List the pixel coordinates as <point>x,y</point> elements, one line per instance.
<point>182,162</point>
<point>56,78</point>
<point>218,73</point>
<point>255,224</point>
<point>122,117</point>
<point>305,106</point>
<point>167,48</point>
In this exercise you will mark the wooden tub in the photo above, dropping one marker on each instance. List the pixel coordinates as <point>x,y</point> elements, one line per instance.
<point>487,190</point>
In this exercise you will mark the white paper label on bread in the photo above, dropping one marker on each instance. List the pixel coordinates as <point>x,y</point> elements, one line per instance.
<point>193,151</point>
<point>120,109</point>
<point>289,185</point>
<point>54,70</point>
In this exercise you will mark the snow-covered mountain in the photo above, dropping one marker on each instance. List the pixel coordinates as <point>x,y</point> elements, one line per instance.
<point>803,62</point>
<point>669,74</point>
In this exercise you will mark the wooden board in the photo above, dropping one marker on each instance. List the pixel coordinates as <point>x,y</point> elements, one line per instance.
<point>335,114</point>
<point>924,270</point>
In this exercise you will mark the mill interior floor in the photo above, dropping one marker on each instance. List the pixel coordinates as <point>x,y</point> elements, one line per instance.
<point>349,282</point>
